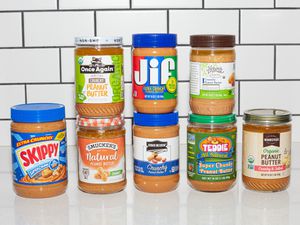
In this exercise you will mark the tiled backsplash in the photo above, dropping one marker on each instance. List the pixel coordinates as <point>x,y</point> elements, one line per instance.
<point>37,43</point>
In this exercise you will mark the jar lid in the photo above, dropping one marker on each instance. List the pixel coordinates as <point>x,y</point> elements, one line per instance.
<point>154,120</point>
<point>159,40</point>
<point>37,112</point>
<point>212,40</point>
<point>109,40</point>
<point>100,122</point>
<point>271,116</point>
<point>195,118</point>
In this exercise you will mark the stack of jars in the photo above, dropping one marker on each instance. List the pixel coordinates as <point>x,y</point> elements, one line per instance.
<point>211,151</point>
<point>100,123</point>
<point>156,129</point>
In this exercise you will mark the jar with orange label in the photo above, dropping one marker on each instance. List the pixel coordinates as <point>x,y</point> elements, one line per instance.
<point>101,154</point>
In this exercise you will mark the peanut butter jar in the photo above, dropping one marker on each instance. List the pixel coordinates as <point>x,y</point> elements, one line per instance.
<point>267,149</point>
<point>101,154</point>
<point>39,150</point>
<point>99,76</point>
<point>156,152</point>
<point>212,69</point>
<point>154,73</point>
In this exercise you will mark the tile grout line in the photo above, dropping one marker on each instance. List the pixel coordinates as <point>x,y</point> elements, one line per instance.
<point>168,21</point>
<point>23,29</point>
<point>240,26</point>
<point>60,65</point>
<point>25,89</point>
<point>275,69</point>
<point>57,4</point>
<point>95,23</point>
<point>239,98</point>
<point>203,4</point>
<point>130,4</point>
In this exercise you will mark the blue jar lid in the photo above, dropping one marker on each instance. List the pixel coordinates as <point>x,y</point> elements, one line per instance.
<point>37,112</point>
<point>153,120</point>
<point>154,40</point>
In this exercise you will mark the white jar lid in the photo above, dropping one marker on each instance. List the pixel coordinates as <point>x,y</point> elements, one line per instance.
<point>109,40</point>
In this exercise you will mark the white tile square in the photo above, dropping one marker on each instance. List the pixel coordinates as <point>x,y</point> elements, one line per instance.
<point>71,132</point>
<point>28,5</point>
<point>166,4</point>
<point>239,3</point>
<point>128,127</point>
<point>5,134</point>
<point>183,106</point>
<point>287,3</point>
<point>128,111</point>
<point>127,64</point>
<point>11,27</point>
<point>93,4</point>
<point>67,64</point>
<point>183,63</point>
<point>287,62</point>
<point>183,122</point>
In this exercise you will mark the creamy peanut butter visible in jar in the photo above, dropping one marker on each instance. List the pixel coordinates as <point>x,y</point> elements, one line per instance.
<point>156,152</point>
<point>154,73</point>
<point>39,150</point>
<point>267,149</point>
<point>212,68</point>
<point>101,154</point>
<point>99,76</point>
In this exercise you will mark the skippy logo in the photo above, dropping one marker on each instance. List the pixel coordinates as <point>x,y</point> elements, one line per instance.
<point>215,147</point>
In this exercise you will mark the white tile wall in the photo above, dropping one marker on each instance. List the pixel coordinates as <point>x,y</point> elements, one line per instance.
<point>239,3</point>
<point>11,27</point>
<point>91,4</point>
<point>287,66</point>
<point>28,5</point>
<point>166,4</point>
<point>67,64</point>
<point>287,3</point>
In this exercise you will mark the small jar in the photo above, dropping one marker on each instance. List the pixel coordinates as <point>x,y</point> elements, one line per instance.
<point>39,150</point>
<point>267,149</point>
<point>156,152</point>
<point>99,77</point>
<point>212,68</point>
<point>154,73</point>
<point>101,154</point>
<point>211,152</point>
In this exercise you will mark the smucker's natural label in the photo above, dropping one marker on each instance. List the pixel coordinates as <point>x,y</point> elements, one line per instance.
<point>266,155</point>
<point>101,161</point>
<point>156,157</point>
<point>39,158</point>
<point>211,157</point>
<point>99,79</point>
<point>212,80</point>
<point>154,78</point>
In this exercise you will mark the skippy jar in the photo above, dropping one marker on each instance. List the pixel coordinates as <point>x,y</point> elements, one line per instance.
<point>154,73</point>
<point>39,150</point>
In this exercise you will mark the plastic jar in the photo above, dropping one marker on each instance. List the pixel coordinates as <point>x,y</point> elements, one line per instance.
<point>154,73</point>
<point>211,152</point>
<point>99,76</point>
<point>39,150</point>
<point>101,154</point>
<point>156,152</point>
<point>212,68</point>
<point>267,149</point>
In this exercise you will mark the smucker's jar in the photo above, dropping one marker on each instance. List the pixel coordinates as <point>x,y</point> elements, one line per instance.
<point>154,73</point>
<point>39,150</point>
<point>211,152</point>
<point>101,154</point>
<point>156,152</point>
<point>99,76</point>
<point>267,149</point>
<point>212,68</point>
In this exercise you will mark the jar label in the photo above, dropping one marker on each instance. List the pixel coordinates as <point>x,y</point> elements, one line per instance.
<point>99,79</point>
<point>156,157</point>
<point>266,155</point>
<point>154,77</point>
<point>101,161</point>
<point>39,158</point>
<point>211,157</point>
<point>212,80</point>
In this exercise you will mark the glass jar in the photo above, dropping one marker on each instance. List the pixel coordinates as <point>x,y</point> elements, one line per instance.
<point>212,79</point>
<point>211,152</point>
<point>154,73</point>
<point>99,76</point>
<point>267,149</point>
<point>101,154</point>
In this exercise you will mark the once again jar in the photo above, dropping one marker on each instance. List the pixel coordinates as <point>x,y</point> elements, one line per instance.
<point>154,73</point>
<point>267,149</point>
<point>101,154</point>
<point>156,152</point>
<point>39,150</point>
<point>211,152</point>
<point>212,63</point>
<point>99,76</point>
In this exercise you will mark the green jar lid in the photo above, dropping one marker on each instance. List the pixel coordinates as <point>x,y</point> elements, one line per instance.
<point>194,118</point>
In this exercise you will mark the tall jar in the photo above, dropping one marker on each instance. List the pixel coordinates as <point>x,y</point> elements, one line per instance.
<point>267,149</point>
<point>212,68</point>
<point>154,73</point>
<point>99,76</point>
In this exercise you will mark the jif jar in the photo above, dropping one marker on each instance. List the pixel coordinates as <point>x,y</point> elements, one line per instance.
<point>212,66</point>
<point>267,149</point>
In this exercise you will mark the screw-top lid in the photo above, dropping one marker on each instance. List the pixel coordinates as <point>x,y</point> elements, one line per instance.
<point>269,116</point>
<point>195,118</point>
<point>101,122</point>
<point>99,40</point>
<point>212,41</point>
<point>37,113</point>
<point>154,40</point>
<point>155,120</point>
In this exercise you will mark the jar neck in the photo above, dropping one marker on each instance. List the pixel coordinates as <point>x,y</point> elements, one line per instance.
<point>212,48</point>
<point>101,128</point>
<point>98,46</point>
<point>213,125</point>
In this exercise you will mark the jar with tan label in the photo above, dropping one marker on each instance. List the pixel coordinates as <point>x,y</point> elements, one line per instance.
<point>266,149</point>
<point>212,65</point>
<point>101,154</point>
